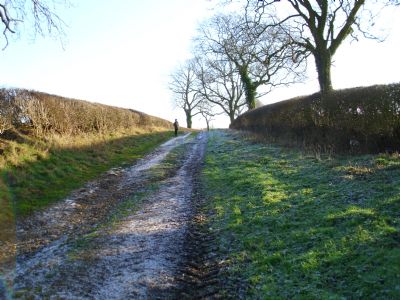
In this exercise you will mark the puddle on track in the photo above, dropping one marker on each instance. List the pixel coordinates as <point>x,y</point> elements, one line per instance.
<point>137,259</point>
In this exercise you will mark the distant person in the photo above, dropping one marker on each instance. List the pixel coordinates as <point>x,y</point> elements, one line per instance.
<point>176,126</point>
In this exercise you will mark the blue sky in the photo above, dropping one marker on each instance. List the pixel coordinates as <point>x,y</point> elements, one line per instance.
<point>122,53</point>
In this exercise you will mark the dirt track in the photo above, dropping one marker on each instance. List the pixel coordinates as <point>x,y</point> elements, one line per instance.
<point>144,254</point>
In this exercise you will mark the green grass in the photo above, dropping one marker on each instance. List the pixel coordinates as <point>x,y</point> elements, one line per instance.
<point>293,227</point>
<point>7,224</point>
<point>38,173</point>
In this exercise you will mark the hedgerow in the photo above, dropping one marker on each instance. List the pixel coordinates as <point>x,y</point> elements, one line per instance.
<point>364,119</point>
<point>45,113</point>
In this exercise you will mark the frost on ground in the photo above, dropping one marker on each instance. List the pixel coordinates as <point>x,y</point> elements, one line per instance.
<point>136,257</point>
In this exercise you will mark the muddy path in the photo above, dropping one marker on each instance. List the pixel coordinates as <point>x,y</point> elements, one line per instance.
<point>125,235</point>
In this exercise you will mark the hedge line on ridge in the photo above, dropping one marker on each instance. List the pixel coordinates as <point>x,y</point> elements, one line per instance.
<point>363,119</point>
<point>46,113</point>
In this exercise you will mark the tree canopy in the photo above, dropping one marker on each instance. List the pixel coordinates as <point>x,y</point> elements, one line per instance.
<point>218,82</point>
<point>263,55</point>
<point>321,26</point>
<point>183,87</point>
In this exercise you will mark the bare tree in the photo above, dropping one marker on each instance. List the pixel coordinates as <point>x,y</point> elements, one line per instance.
<point>207,112</point>
<point>182,85</point>
<point>220,84</point>
<point>321,26</point>
<point>38,15</point>
<point>262,55</point>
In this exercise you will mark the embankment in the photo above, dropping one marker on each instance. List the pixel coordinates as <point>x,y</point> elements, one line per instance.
<point>50,145</point>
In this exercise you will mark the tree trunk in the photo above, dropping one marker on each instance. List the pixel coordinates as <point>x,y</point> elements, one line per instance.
<point>250,92</point>
<point>250,89</point>
<point>323,62</point>
<point>232,117</point>
<point>188,119</point>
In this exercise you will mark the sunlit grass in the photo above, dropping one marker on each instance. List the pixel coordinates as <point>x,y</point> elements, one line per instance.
<point>292,226</point>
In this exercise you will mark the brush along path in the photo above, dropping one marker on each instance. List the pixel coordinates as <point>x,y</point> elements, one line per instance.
<point>121,237</point>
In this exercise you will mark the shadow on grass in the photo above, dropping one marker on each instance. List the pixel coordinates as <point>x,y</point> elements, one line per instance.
<point>298,227</point>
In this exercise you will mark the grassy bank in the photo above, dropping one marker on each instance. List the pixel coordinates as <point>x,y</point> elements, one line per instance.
<point>39,172</point>
<point>293,227</point>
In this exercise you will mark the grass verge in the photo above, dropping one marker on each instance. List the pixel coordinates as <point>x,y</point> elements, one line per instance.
<point>294,227</point>
<point>37,173</point>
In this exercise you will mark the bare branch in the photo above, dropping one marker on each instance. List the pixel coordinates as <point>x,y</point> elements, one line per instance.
<point>39,15</point>
<point>321,26</point>
<point>182,85</point>
<point>220,84</point>
<point>262,54</point>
